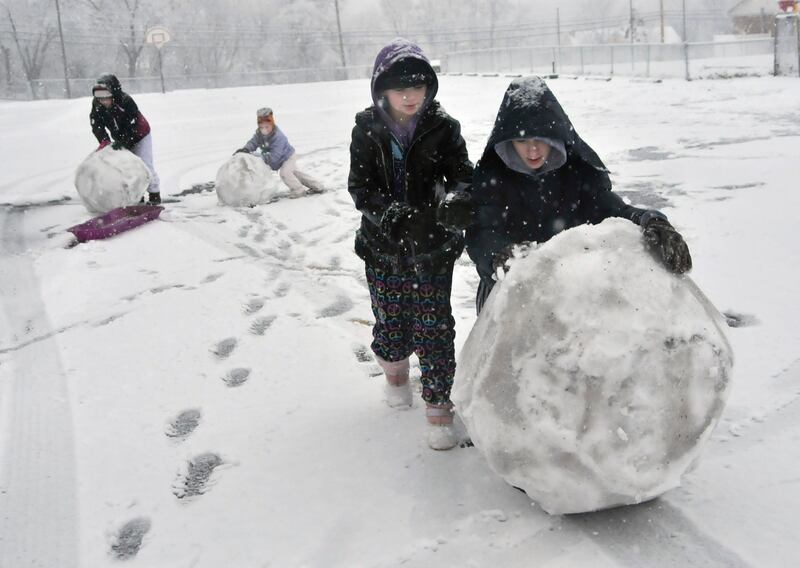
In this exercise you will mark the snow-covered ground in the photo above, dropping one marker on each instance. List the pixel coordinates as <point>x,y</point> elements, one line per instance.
<point>205,380</point>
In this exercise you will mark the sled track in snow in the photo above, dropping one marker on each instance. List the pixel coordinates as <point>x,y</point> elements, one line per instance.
<point>38,505</point>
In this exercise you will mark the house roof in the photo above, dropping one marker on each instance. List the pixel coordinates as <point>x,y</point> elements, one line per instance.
<point>754,8</point>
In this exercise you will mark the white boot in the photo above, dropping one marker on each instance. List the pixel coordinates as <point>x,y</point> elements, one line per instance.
<point>441,433</point>
<point>397,387</point>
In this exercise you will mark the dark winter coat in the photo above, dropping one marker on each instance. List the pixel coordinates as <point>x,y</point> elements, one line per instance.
<point>123,120</point>
<point>274,148</point>
<point>436,155</point>
<point>516,207</point>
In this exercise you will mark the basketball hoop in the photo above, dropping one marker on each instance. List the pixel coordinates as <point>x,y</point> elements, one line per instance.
<point>157,36</point>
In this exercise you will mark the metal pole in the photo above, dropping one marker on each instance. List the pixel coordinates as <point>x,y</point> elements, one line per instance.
<point>685,44</point>
<point>161,70</point>
<point>630,8</point>
<point>612,59</point>
<point>661,2</point>
<point>63,50</point>
<point>775,49</point>
<point>558,35</point>
<point>341,41</point>
<point>558,27</point>
<point>630,4</point>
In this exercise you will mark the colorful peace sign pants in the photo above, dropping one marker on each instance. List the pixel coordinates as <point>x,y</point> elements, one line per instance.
<point>413,315</point>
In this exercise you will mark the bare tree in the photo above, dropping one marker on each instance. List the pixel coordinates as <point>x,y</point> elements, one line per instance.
<point>33,45</point>
<point>136,15</point>
<point>397,13</point>
<point>6,63</point>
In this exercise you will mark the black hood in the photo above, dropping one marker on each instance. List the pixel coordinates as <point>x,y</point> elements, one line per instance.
<point>531,110</point>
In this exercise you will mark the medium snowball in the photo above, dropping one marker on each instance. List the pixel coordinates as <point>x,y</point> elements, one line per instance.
<point>593,376</point>
<point>110,178</point>
<point>245,180</point>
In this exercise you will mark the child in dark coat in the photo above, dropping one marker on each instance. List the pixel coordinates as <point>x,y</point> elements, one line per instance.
<point>537,178</point>
<point>115,112</point>
<point>403,147</point>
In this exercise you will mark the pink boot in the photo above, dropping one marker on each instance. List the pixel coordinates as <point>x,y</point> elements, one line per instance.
<point>397,388</point>
<point>441,434</point>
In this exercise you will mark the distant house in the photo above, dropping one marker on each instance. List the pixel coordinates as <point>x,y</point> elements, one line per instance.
<point>754,16</point>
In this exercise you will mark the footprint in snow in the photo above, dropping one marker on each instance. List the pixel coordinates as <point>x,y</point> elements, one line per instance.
<point>363,355</point>
<point>281,290</point>
<point>341,305</point>
<point>236,377</point>
<point>212,277</point>
<point>734,319</point>
<point>253,306</point>
<point>128,539</point>
<point>184,423</point>
<point>194,480</point>
<point>224,348</point>
<point>261,325</point>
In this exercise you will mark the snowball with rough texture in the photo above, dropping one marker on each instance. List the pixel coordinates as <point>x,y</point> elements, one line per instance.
<point>110,178</point>
<point>593,376</point>
<point>245,180</point>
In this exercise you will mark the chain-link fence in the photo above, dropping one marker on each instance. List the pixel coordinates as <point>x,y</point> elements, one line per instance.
<point>54,88</point>
<point>688,60</point>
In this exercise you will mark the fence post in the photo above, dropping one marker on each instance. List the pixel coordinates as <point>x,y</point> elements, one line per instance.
<point>581,51</point>
<point>648,60</point>
<point>775,48</point>
<point>686,59</point>
<point>554,61</point>
<point>612,59</point>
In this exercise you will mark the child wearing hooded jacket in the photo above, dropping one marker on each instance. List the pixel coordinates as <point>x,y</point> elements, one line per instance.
<point>536,178</point>
<point>271,145</point>
<point>403,147</point>
<point>115,112</point>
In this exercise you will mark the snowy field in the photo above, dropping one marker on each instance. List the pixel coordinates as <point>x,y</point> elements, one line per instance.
<point>206,381</point>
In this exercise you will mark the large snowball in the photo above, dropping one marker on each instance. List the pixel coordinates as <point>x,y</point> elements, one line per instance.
<point>245,181</point>
<point>593,376</point>
<point>110,178</point>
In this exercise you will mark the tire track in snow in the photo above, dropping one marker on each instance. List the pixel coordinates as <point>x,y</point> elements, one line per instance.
<point>654,534</point>
<point>38,504</point>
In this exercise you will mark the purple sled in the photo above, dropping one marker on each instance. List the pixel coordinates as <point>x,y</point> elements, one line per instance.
<point>115,222</point>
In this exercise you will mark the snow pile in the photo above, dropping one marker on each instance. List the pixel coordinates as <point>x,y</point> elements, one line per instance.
<point>245,181</point>
<point>593,376</point>
<point>110,178</point>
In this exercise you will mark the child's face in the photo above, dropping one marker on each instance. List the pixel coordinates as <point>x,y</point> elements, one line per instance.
<point>265,127</point>
<point>532,151</point>
<point>106,101</point>
<point>407,102</point>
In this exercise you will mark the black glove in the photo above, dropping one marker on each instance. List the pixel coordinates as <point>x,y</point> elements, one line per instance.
<point>668,245</point>
<point>456,210</point>
<point>117,145</point>
<point>500,258</point>
<point>241,151</point>
<point>401,222</point>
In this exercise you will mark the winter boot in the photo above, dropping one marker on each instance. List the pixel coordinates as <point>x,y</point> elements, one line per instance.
<point>154,198</point>
<point>441,433</point>
<point>397,388</point>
